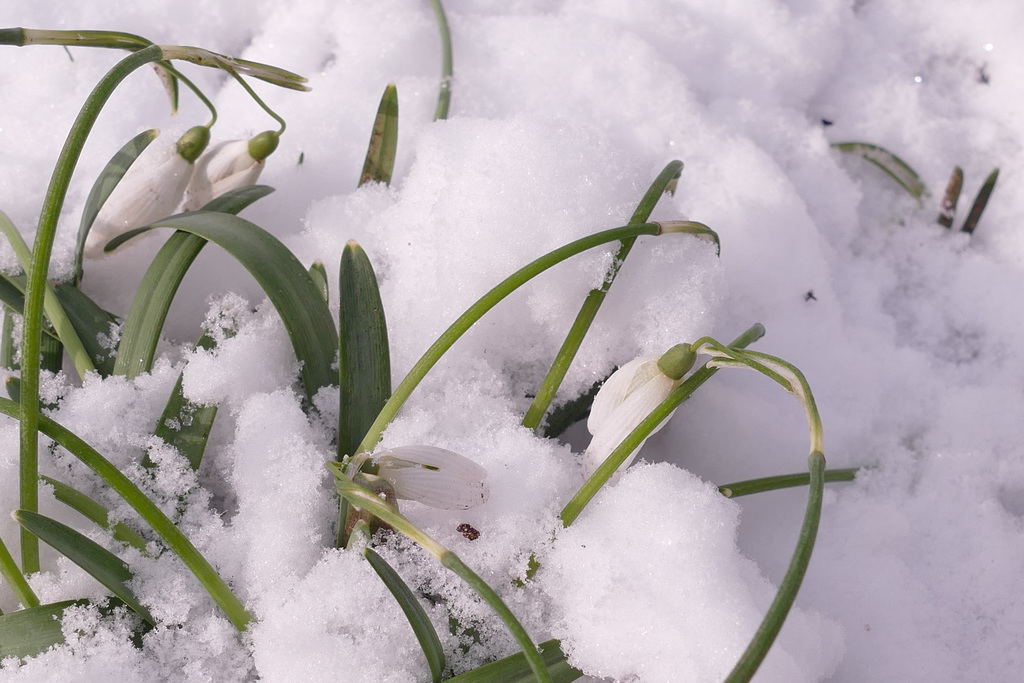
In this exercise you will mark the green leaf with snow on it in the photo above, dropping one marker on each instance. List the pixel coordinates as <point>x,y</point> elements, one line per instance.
<point>980,202</point>
<point>105,183</point>
<point>283,278</point>
<point>185,425</point>
<point>100,563</point>
<point>515,669</point>
<point>892,165</point>
<point>950,198</point>
<point>364,358</point>
<point>380,157</point>
<point>414,612</point>
<point>176,541</point>
<point>145,321</point>
<point>93,511</point>
<point>30,631</point>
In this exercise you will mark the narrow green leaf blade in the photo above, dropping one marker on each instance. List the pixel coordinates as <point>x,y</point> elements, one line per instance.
<point>15,579</point>
<point>30,631</point>
<point>663,184</point>
<point>185,425</point>
<point>105,183</point>
<point>364,358</point>
<point>91,322</point>
<point>93,511</point>
<point>980,202</point>
<point>380,157</point>
<point>319,275</point>
<point>63,328</point>
<point>515,668</point>
<point>894,167</point>
<point>414,612</point>
<point>99,562</point>
<point>286,282</point>
<point>951,197</point>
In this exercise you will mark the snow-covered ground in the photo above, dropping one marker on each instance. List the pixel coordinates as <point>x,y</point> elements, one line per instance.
<point>562,115</point>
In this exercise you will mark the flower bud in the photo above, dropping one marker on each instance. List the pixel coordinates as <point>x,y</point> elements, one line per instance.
<point>151,189</point>
<point>629,396</point>
<point>229,166</point>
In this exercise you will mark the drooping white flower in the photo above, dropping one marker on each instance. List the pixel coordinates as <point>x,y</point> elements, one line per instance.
<point>227,167</point>
<point>151,189</point>
<point>629,396</point>
<point>433,476</point>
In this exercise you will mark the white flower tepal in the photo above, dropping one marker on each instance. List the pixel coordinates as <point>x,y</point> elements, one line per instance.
<point>433,476</point>
<point>151,189</point>
<point>229,166</point>
<point>627,397</point>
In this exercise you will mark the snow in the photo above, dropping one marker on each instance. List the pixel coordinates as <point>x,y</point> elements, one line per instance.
<point>562,115</point>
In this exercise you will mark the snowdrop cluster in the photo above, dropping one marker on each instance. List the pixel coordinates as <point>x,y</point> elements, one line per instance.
<point>165,175</point>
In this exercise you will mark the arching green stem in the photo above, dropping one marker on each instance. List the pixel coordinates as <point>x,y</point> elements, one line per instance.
<point>36,287</point>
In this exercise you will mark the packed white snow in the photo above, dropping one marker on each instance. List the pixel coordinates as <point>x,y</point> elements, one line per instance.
<point>562,115</point>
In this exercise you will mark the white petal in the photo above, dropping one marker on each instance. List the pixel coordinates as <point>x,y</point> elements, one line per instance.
<point>616,388</point>
<point>624,419</point>
<point>223,168</point>
<point>434,476</point>
<point>150,190</point>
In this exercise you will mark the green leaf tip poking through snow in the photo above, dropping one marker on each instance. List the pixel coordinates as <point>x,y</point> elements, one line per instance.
<point>892,165</point>
<point>380,156</point>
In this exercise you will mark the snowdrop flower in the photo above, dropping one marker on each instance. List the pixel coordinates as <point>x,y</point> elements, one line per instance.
<point>433,476</point>
<point>629,396</point>
<point>228,166</point>
<point>150,190</point>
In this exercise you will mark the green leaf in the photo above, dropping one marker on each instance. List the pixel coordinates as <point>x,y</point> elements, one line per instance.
<point>15,579</point>
<point>185,425</point>
<point>105,183</point>
<point>980,202</point>
<point>90,322</point>
<point>951,197</point>
<point>894,167</point>
<point>665,181</point>
<point>63,328</point>
<point>147,509</point>
<point>782,481</point>
<point>319,275</point>
<point>414,612</point>
<point>145,322</point>
<point>7,345</point>
<point>285,281</point>
<point>380,157</point>
<point>31,631</point>
<point>363,498</point>
<point>93,511</point>
<point>515,668</point>
<point>364,358</point>
<point>99,562</point>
